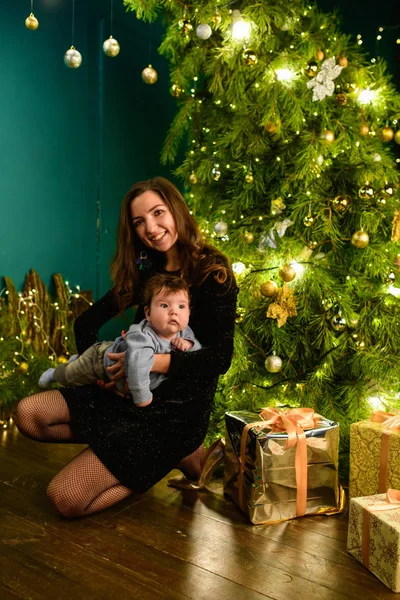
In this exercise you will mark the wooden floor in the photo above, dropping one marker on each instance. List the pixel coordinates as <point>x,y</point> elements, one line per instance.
<point>162,544</point>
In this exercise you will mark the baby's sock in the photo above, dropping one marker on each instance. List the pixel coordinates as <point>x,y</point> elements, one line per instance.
<point>47,378</point>
<point>73,357</point>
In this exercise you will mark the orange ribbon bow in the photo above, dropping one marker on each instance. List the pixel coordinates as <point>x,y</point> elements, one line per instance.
<point>293,422</point>
<point>392,423</point>
<point>392,502</point>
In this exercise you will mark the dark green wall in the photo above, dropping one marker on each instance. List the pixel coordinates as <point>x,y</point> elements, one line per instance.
<point>73,141</point>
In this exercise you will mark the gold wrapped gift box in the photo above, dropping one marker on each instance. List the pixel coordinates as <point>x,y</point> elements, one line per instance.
<point>374,537</point>
<point>267,489</point>
<point>374,456</point>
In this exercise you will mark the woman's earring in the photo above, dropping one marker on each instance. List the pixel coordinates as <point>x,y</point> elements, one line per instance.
<point>143,261</point>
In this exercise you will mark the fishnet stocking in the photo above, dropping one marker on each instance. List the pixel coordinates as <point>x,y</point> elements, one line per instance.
<point>44,417</point>
<point>85,486</point>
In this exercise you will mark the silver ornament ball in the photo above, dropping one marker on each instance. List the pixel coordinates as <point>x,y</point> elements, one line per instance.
<point>273,364</point>
<point>203,31</point>
<point>221,228</point>
<point>72,58</point>
<point>111,47</point>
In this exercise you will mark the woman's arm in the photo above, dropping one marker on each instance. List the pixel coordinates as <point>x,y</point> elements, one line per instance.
<point>88,323</point>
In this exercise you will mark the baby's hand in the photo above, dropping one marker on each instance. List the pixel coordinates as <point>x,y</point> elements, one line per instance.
<point>182,344</point>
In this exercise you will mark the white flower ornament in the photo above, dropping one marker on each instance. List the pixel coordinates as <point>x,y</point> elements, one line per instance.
<point>323,82</point>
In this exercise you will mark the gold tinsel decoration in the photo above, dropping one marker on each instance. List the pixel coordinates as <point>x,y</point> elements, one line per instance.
<point>283,306</point>
<point>396,227</point>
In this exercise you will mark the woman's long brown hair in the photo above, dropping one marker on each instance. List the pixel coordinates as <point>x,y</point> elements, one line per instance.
<point>197,258</point>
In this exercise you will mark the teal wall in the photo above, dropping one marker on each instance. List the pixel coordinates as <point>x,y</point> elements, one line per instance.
<point>73,141</point>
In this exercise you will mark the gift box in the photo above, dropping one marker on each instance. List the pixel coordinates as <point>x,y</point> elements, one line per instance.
<point>283,464</point>
<point>374,455</point>
<point>374,535</point>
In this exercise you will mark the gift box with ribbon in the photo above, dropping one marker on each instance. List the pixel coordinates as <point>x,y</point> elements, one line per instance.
<point>374,535</point>
<point>282,464</point>
<point>375,455</point>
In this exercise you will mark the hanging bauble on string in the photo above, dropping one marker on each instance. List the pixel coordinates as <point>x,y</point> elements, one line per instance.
<point>203,31</point>
<point>185,26</point>
<point>149,75</point>
<point>319,55</point>
<point>311,69</point>
<point>309,220</point>
<point>273,363</point>
<point>364,129</point>
<point>342,61</point>
<point>111,47</point>
<point>193,178</point>
<point>62,360</point>
<point>249,177</point>
<point>387,134</point>
<point>269,289</point>
<point>341,203</point>
<point>23,367</point>
<point>328,136</point>
<point>366,192</point>
<point>250,57</point>
<point>387,191</point>
<point>73,58</point>
<point>381,200</point>
<point>216,173</point>
<point>287,273</point>
<point>221,228</point>
<point>360,239</point>
<point>216,18</point>
<point>338,323</point>
<point>341,99</point>
<point>397,136</point>
<point>270,127</point>
<point>31,22</point>
<point>249,237</point>
<point>176,91</point>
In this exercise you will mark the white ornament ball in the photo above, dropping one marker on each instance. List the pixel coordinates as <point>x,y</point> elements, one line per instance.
<point>149,75</point>
<point>273,363</point>
<point>203,31</point>
<point>221,228</point>
<point>73,58</point>
<point>111,47</point>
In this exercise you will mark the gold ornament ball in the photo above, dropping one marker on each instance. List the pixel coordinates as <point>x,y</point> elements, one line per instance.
<point>176,91</point>
<point>341,99</point>
<point>360,239</point>
<point>111,47</point>
<point>320,55</point>
<point>249,237</point>
<point>203,148</point>
<point>215,174</point>
<point>216,18</point>
<point>342,61</point>
<point>250,57</point>
<point>387,134</point>
<point>387,191</point>
<point>185,26</point>
<point>249,177</point>
<point>364,129</point>
<point>270,127</point>
<point>269,289</point>
<point>62,360</point>
<point>397,136</point>
<point>381,201</point>
<point>149,75</point>
<point>365,192</point>
<point>338,323</point>
<point>287,273</point>
<point>311,69</point>
<point>23,367</point>
<point>309,220</point>
<point>31,22</point>
<point>193,178</point>
<point>341,203</point>
<point>328,136</point>
<point>73,58</point>
<point>273,364</point>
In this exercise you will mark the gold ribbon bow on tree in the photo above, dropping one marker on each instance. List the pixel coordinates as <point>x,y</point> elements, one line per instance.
<point>283,306</point>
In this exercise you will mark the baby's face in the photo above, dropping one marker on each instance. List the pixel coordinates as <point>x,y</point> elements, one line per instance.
<point>169,313</point>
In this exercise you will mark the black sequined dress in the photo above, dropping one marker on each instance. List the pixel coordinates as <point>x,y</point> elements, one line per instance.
<point>141,445</point>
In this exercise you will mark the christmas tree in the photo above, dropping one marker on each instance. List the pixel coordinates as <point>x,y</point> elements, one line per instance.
<point>289,169</point>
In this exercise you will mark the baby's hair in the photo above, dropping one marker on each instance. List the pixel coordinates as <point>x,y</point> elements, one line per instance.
<point>169,283</point>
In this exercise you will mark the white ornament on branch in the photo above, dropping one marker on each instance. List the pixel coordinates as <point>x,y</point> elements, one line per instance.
<point>323,83</point>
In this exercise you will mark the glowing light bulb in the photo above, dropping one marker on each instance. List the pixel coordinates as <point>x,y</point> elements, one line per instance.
<point>393,290</point>
<point>241,30</point>
<point>297,267</point>
<point>367,96</point>
<point>238,267</point>
<point>284,74</point>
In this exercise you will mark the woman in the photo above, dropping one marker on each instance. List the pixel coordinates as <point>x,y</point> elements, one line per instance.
<point>130,449</point>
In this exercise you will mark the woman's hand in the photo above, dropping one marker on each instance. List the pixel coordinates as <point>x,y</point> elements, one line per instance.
<point>161,363</point>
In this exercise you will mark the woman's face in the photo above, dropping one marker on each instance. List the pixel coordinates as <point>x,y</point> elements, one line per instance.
<point>153,222</point>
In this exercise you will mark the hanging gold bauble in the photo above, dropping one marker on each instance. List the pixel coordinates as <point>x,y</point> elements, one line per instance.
<point>31,22</point>
<point>308,220</point>
<point>72,58</point>
<point>176,91</point>
<point>360,239</point>
<point>203,149</point>
<point>365,192</point>
<point>311,69</point>
<point>387,134</point>
<point>338,323</point>
<point>341,99</point>
<point>328,136</point>
<point>270,127</point>
<point>62,360</point>
<point>216,18</point>
<point>397,136</point>
<point>364,129</point>
<point>273,364</point>
<point>319,55</point>
<point>193,178</point>
<point>249,237</point>
<point>23,367</point>
<point>215,173</point>
<point>185,26</point>
<point>381,200</point>
<point>387,191</point>
<point>342,61</point>
<point>269,289</point>
<point>111,47</point>
<point>250,57</point>
<point>287,273</point>
<point>249,177</point>
<point>341,203</point>
<point>149,75</point>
